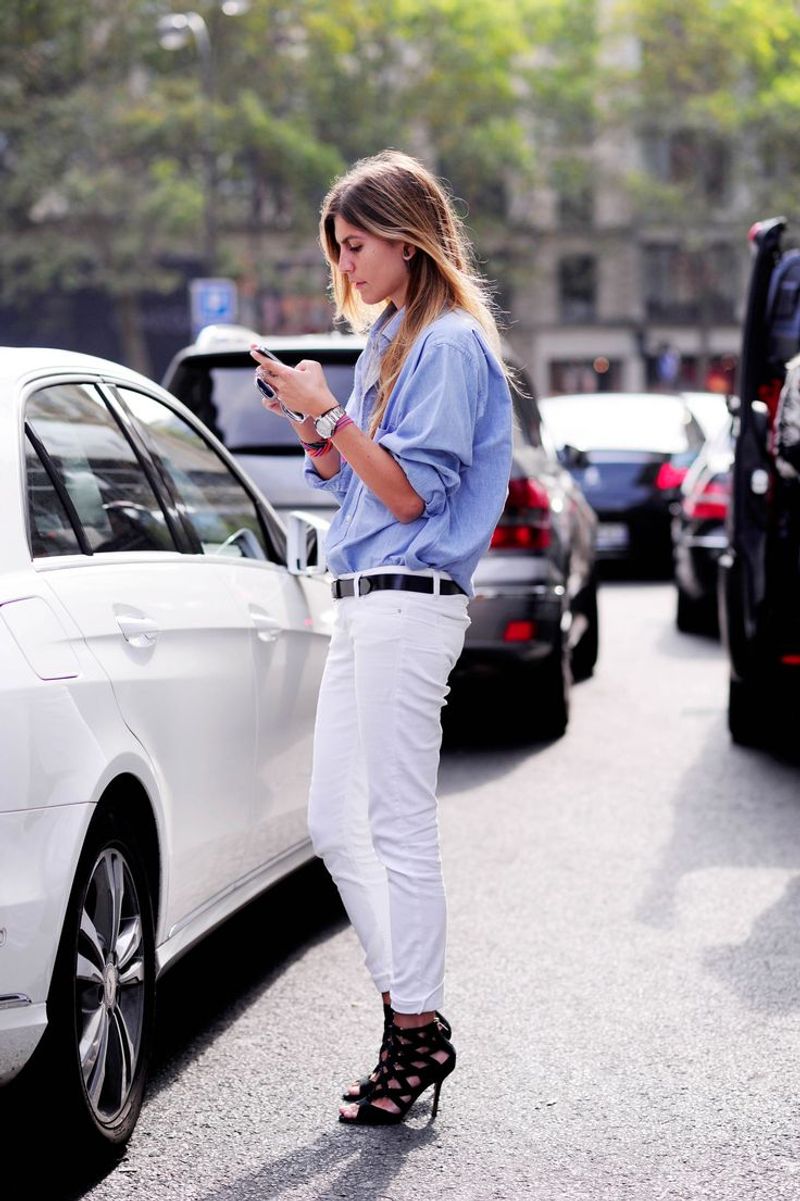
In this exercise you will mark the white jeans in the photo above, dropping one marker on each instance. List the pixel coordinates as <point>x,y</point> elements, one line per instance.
<point>372,807</point>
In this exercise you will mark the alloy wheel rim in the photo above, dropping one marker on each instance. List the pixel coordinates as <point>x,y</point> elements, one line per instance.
<point>110,985</point>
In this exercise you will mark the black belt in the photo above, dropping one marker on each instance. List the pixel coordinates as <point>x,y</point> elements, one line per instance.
<point>405,583</point>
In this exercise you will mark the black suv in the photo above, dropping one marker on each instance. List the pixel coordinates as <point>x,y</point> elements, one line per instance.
<point>760,571</point>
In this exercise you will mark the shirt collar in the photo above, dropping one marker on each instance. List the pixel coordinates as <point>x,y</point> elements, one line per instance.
<point>387,325</point>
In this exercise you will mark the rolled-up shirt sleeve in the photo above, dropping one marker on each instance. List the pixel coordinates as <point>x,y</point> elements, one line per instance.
<point>430,424</point>
<point>336,485</point>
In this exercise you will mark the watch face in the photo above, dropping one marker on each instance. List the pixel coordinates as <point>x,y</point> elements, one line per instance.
<point>324,424</point>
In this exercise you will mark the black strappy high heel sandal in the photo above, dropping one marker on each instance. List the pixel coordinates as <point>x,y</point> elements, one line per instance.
<point>364,1086</point>
<point>410,1056</point>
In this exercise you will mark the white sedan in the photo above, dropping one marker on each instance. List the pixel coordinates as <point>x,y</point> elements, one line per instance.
<point>161,653</point>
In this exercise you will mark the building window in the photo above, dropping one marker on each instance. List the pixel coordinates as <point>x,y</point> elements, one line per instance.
<point>577,288</point>
<point>694,160</point>
<point>585,375</point>
<point>690,286</point>
<point>572,182</point>
<point>576,207</point>
<point>717,373</point>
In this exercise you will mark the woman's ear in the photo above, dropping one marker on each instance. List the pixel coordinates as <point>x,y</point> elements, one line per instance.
<point>408,253</point>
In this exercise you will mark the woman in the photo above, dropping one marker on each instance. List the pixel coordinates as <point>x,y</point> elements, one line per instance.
<point>419,463</point>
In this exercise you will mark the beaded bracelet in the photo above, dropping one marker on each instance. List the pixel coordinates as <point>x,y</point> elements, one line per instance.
<point>315,449</point>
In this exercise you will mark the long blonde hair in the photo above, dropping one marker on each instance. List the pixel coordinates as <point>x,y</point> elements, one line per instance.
<point>393,196</point>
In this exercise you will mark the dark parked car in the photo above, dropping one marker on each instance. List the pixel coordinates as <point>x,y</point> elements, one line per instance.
<point>629,453</point>
<point>534,613</point>
<point>760,571</point>
<point>698,534</point>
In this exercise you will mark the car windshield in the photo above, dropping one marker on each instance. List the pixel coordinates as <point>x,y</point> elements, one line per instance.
<point>607,421</point>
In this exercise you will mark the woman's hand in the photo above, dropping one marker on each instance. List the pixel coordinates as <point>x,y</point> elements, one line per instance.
<point>302,388</point>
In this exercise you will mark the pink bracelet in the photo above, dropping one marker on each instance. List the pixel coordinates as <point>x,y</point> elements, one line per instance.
<point>342,424</point>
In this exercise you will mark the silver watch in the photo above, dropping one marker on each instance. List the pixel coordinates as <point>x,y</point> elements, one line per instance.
<point>325,424</point>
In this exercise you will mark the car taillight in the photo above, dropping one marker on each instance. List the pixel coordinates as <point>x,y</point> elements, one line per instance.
<point>670,477</point>
<point>520,631</point>
<point>525,523</point>
<point>709,503</point>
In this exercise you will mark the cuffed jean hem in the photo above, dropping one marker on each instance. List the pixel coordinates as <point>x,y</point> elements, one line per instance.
<point>428,1004</point>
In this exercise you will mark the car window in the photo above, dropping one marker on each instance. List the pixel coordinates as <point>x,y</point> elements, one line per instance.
<point>547,440</point>
<point>104,479</point>
<point>227,401</point>
<point>210,497</point>
<point>695,439</point>
<point>528,423</point>
<point>49,525</point>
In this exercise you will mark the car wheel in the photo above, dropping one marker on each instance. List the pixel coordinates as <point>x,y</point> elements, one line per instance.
<point>748,714</point>
<point>693,616</point>
<point>584,655</point>
<point>551,689</point>
<point>94,1053</point>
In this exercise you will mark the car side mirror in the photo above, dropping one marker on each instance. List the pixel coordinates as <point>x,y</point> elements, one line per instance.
<point>573,458</point>
<point>304,543</point>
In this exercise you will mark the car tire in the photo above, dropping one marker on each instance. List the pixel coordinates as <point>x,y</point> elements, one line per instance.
<point>748,713</point>
<point>584,655</point>
<point>92,1061</point>
<point>693,616</point>
<point>551,693</point>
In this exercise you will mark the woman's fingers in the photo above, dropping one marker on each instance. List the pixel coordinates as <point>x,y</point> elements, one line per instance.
<point>312,367</point>
<point>302,388</point>
<point>270,367</point>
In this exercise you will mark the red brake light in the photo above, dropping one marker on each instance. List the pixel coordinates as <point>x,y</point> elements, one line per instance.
<point>710,503</point>
<point>525,523</point>
<point>670,477</point>
<point>519,631</point>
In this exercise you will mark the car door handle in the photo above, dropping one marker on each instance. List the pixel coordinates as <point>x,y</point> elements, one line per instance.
<point>268,628</point>
<point>139,631</point>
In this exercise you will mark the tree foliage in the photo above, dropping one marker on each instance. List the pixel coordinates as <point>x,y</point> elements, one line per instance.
<point>727,72</point>
<point>119,158</point>
<point>113,149</point>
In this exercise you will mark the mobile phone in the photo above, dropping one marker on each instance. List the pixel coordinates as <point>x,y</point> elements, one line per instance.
<point>270,393</point>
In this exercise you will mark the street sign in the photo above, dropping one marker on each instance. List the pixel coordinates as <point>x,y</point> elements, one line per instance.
<point>212,302</point>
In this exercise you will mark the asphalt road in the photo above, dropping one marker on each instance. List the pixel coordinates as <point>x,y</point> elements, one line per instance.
<point>624,980</point>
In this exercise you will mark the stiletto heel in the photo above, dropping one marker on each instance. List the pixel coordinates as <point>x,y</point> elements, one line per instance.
<point>411,1056</point>
<point>363,1087</point>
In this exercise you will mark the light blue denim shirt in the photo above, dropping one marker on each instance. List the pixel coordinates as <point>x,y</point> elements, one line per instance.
<point>448,425</point>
